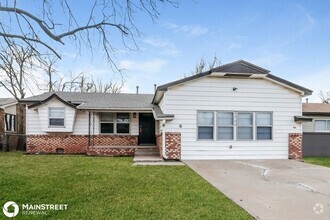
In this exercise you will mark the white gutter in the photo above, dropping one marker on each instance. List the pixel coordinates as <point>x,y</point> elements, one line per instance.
<point>163,140</point>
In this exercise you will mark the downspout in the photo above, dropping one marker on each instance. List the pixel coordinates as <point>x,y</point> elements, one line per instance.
<point>163,140</point>
<point>89,129</point>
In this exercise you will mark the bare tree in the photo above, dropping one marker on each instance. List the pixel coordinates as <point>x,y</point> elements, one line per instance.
<point>202,65</point>
<point>48,24</point>
<point>17,63</point>
<point>83,83</point>
<point>325,98</point>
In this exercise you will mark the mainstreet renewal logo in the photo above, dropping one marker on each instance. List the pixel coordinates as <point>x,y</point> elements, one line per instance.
<point>11,209</point>
<point>8,213</point>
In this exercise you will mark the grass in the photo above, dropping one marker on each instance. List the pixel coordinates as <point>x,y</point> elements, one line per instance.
<point>322,161</point>
<point>110,188</point>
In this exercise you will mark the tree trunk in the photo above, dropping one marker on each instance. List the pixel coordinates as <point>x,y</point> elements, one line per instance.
<point>20,112</point>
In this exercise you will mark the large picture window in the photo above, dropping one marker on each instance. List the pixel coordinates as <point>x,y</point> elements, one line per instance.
<point>322,125</point>
<point>239,126</point>
<point>56,116</point>
<point>115,123</point>
<point>205,122</point>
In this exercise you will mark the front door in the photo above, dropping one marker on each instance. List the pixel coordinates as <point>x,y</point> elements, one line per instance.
<point>147,129</point>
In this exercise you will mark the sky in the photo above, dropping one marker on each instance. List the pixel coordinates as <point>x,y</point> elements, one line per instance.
<point>289,38</point>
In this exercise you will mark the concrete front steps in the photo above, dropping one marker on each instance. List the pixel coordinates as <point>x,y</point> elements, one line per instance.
<point>150,156</point>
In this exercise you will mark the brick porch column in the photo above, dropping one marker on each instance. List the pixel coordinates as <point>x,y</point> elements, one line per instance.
<point>295,146</point>
<point>173,145</point>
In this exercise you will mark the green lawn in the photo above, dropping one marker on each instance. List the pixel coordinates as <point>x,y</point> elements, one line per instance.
<point>323,161</point>
<point>110,188</point>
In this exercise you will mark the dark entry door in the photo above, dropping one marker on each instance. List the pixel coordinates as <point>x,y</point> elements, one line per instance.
<point>146,129</point>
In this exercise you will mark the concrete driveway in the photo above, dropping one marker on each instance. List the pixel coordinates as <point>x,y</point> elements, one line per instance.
<point>271,189</point>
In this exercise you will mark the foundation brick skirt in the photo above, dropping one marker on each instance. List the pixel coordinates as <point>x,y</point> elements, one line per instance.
<point>57,143</point>
<point>79,144</point>
<point>295,146</point>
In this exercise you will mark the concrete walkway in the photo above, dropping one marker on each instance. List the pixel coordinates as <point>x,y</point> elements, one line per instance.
<point>271,189</point>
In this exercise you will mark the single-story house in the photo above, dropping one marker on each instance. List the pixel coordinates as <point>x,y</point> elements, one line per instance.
<point>234,111</point>
<point>316,132</point>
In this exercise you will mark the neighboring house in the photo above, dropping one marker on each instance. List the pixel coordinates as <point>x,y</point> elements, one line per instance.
<point>235,111</point>
<point>316,133</point>
<point>9,119</point>
<point>7,115</point>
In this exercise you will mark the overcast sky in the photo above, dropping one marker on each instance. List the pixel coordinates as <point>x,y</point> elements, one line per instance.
<point>289,38</point>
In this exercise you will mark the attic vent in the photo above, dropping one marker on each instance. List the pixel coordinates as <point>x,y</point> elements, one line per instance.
<point>237,75</point>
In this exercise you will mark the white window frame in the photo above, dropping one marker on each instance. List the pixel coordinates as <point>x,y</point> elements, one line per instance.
<point>207,126</point>
<point>270,126</point>
<point>225,126</point>
<point>115,123</point>
<point>235,126</point>
<point>326,125</point>
<point>245,126</point>
<point>107,122</point>
<point>129,122</point>
<point>64,119</point>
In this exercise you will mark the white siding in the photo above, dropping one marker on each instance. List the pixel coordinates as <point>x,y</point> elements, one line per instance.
<point>11,110</point>
<point>81,123</point>
<point>309,126</point>
<point>70,114</point>
<point>134,126</point>
<point>32,122</point>
<point>211,93</point>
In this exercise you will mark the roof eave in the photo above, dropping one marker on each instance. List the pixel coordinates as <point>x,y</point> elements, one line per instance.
<point>49,98</point>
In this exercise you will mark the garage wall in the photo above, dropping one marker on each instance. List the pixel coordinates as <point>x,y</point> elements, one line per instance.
<point>214,93</point>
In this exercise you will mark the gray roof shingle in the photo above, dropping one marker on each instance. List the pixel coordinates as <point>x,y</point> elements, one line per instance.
<point>6,101</point>
<point>99,100</point>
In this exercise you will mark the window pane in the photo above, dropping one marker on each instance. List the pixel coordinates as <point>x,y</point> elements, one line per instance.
<point>56,112</point>
<point>244,119</point>
<point>205,118</point>
<point>264,118</point>
<point>205,133</point>
<point>123,117</point>
<point>328,125</point>
<point>225,118</point>
<point>320,125</point>
<point>244,133</point>
<point>107,128</point>
<point>264,133</point>
<point>225,133</point>
<point>107,117</point>
<point>122,128</point>
<point>56,121</point>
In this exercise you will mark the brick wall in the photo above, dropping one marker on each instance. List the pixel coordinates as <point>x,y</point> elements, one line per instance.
<point>115,140</point>
<point>78,144</point>
<point>71,144</point>
<point>295,146</point>
<point>173,145</point>
<point>159,144</point>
